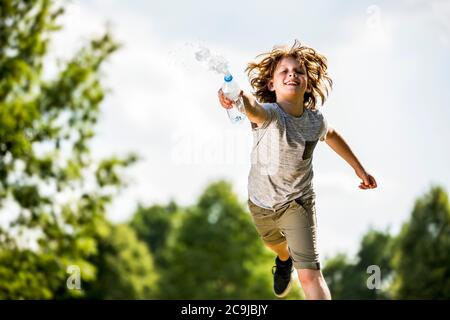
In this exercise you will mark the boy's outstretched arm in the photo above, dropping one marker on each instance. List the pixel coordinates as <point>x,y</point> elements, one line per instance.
<point>254,111</point>
<point>338,144</point>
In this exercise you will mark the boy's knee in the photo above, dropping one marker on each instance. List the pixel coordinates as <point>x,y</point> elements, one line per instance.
<point>309,276</point>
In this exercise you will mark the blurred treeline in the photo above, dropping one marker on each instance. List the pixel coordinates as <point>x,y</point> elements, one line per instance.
<point>57,196</point>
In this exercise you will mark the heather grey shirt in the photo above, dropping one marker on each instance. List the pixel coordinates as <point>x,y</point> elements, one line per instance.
<point>281,159</point>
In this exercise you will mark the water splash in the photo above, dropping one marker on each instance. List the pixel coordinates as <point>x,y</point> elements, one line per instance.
<point>182,57</point>
<point>214,62</point>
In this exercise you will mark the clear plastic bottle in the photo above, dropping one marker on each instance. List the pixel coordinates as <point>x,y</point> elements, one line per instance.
<point>232,91</point>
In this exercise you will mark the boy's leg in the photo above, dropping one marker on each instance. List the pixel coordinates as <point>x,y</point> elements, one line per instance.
<point>274,239</point>
<point>299,225</point>
<point>313,284</point>
<point>312,281</point>
<point>281,249</point>
<point>282,269</point>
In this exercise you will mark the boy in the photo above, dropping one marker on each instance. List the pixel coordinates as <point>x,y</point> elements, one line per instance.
<point>286,126</point>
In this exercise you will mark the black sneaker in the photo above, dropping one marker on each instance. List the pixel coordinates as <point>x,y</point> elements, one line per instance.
<point>282,277</point>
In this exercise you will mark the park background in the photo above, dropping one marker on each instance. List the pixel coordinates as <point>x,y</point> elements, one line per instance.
<point>117,163</point>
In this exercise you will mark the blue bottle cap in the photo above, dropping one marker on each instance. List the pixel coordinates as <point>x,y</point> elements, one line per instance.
<point>228,78</point>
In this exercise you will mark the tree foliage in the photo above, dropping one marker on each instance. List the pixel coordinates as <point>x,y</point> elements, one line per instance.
<point>46,167</point>
<point>422,258</point>
<point>347,279</point>
<point>414,264</point>
<point>214,251</point>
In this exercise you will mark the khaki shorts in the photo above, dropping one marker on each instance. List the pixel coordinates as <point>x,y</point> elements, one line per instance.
<point>295,222</point>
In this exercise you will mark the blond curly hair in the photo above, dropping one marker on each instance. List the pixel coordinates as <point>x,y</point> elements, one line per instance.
<point>319,83</point>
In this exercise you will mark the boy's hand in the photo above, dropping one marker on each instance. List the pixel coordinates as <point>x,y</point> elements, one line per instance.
<point>255,113</point>
<point>247,99</point>
<point>224,101</point>
<point>368,182</point>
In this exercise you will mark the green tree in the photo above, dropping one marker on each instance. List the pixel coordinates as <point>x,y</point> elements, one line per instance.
<point>153,226</point>
<point>338,273</point>
<point>125,268</point>
<point>214,252</point>
<point>46,168</point>
<point>422,253</point>
<point>348,279</point>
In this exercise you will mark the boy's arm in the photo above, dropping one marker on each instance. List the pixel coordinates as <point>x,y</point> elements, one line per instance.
<point>338,144</point>
<point>254,111</point>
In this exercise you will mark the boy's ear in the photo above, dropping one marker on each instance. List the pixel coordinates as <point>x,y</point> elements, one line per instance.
<point>270,85</point>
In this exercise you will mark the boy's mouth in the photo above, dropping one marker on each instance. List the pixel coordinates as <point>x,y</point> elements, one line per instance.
<point>291,83</point>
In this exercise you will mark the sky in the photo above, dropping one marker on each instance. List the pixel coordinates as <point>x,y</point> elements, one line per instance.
<point>388,61</point>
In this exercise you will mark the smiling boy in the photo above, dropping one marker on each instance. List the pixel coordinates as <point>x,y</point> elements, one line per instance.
<point>286,126</point>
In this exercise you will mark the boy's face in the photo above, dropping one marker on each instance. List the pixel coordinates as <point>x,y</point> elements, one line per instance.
<point>289,79</point>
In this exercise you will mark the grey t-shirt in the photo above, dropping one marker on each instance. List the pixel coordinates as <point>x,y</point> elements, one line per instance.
<point>281,159</point>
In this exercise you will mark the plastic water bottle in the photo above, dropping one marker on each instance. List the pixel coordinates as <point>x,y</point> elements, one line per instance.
<point>231,90</point>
